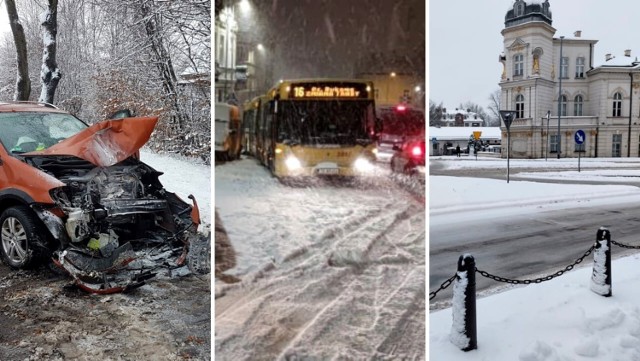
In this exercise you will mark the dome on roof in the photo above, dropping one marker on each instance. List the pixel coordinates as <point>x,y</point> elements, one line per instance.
<point>528,11</point>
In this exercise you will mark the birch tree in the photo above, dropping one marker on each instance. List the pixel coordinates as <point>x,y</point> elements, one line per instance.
<point>49,74</point>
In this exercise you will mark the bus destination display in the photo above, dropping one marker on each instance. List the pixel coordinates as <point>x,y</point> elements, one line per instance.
<point>301,91</point>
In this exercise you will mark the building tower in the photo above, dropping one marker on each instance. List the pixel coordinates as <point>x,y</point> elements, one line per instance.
<point>528,78</point>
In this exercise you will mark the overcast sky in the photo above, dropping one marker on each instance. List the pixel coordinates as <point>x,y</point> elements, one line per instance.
<point>465,41</point>
<point>4,19</point>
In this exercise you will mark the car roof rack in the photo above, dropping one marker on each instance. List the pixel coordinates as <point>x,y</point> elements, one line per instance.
<point>48,105</point>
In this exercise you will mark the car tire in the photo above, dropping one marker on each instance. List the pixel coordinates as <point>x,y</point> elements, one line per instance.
<point>409,168</point>
<point>19,233</point>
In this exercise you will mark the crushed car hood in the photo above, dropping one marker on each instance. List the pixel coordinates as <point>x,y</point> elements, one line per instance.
<point>106,143</point>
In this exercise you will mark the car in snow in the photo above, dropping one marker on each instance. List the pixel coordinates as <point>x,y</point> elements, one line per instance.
<point>398,122</point>
<point>79,195</point>
<point>409,157</point>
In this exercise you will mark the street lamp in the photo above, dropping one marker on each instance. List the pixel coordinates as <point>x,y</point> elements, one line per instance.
<point>245,7</point>
<point>560,98</point>
<point>507,117</point>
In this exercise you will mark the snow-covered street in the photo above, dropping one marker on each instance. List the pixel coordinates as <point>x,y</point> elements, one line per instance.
<point>327,271</point>
<point>561,319</point>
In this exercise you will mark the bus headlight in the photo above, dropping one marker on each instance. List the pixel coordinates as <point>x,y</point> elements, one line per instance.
<point>363,165</point>
<point>293,163</point>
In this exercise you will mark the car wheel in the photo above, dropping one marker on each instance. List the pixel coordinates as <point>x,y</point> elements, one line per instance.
<point>409,168</point>
<point>19,232</point>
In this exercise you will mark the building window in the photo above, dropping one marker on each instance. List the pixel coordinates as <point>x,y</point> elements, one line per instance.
<point>519,9</point>
<point>617,105</point>
<point>563,106</point>
<point>564,67</point>
<point>553,143</point>
<point>616,146</point>
<point>577,106</point>
<point>518,65</point>
<point>580,68</point>
<point>221,51</point>
<point>519,106</point>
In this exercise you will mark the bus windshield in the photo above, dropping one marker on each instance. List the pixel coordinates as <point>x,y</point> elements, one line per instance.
<point>407,122</point>
<point>325,122</point>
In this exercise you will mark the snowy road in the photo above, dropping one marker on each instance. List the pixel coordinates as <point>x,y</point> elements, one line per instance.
<point>327,271</point>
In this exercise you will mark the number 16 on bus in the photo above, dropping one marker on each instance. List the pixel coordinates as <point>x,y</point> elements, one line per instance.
<point>579,138</point>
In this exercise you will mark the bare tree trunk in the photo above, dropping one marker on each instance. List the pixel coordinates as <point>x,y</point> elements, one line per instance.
<point>23,83</point>
<point>49,74</point>
<point>163,62</point>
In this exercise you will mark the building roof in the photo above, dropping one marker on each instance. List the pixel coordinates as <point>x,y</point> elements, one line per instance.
<point>463,133</point>
<point>527,11</point>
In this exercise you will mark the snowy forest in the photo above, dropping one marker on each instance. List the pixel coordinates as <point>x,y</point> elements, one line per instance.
<point>150,56</point>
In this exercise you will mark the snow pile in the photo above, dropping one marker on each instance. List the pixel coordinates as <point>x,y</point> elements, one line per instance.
<point>561,319</point>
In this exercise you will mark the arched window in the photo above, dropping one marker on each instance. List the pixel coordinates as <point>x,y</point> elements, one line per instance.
<point>518,65</point>
<point>577,106</point>
<point>519,8</point>
<point>617,104</point>
<point>519,106</point>
<point>563,105</point>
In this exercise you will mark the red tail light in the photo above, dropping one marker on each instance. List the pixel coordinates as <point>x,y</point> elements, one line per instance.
<point>401,108</point>
<point>416,151</point>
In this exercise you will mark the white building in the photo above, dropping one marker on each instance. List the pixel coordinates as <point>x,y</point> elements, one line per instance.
<point>577,95</point>
<point>444,140</point>
<point>461,118</point>
<point>225,52</point>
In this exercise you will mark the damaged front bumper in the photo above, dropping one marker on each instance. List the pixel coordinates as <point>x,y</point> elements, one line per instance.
<point>105,220</point>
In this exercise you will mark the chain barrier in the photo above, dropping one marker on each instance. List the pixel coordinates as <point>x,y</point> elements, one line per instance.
<point>443,286</point>
<point>541,279</point>
<point>624,245</point>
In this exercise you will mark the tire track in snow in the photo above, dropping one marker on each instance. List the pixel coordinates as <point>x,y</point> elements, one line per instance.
<point>328,291</point>
<point>297,296</point>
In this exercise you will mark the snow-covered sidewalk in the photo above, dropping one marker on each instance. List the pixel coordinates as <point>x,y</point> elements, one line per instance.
<point>561,319</point>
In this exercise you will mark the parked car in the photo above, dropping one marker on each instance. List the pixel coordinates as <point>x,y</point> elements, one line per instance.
<point>80,195</point>
<point>409,157</point>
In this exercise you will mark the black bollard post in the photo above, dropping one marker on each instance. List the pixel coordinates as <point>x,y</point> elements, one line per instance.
<point>463,331</point>
<point>601,275</point>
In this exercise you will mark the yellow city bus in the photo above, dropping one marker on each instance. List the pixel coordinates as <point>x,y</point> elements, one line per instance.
<point>317,127</point>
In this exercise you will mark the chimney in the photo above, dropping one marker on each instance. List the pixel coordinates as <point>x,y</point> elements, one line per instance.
<point>577,33</point>
<point>627,53</point>
<point>607,57</point>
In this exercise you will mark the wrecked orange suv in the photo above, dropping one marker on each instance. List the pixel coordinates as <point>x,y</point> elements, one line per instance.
<point>78,194</point>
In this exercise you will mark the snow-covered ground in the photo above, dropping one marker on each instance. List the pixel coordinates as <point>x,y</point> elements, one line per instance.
<point>556,320</point>
<point>183,176</point>
<point>328,272</point>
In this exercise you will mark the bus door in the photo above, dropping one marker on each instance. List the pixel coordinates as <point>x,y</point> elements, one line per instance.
<point>269,132</point>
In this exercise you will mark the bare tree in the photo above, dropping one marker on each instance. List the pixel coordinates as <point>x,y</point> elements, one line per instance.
<point>49,74</point>
<point>23,83</point>
<point>494,108</point>
<point>436,113</point>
